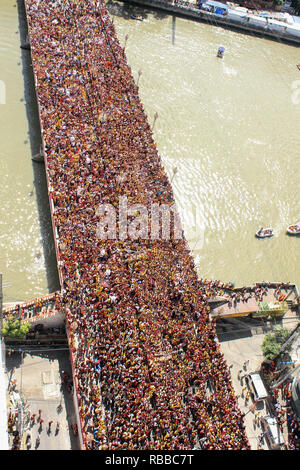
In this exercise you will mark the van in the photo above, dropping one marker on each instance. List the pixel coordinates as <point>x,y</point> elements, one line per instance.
<point>272,432</point>
<point>256,385</point>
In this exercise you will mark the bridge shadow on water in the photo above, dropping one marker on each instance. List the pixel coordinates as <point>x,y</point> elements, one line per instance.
<point>40,182</point>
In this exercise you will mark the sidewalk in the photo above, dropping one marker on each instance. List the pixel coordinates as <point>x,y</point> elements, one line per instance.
<point>237,351</point>
<point>38,380</point>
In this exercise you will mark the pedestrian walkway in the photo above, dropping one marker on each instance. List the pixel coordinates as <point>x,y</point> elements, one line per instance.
<point>258,300</point>
<point>33,309</point>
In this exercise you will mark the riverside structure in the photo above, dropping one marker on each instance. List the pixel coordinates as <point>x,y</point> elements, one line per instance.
<point>147,367</point>
<point>226,16</point>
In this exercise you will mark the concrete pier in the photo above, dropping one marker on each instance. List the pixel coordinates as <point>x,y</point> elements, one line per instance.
<point>282,299</point>
<point>36,310</point>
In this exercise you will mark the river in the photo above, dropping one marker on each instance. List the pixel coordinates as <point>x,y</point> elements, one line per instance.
<point>229,126</point>
<point>27,253</point>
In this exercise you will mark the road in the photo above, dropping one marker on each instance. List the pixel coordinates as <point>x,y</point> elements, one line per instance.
<point>38,380</point>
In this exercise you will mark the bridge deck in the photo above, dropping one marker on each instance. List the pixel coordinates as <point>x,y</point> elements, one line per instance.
<point>128,302</point>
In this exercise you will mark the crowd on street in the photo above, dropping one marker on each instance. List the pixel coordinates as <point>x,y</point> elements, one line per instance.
<point>148,370</point>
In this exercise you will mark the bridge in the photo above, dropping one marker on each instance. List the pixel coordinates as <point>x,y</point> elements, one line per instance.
<point>143,351</point>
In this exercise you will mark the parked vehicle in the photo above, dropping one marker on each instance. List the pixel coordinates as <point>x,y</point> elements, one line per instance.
<point>257,386</point>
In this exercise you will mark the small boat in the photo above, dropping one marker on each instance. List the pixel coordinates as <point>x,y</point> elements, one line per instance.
<point>294,229</point>
<point>298,66</point>
<point>136,17</point>
<point>221,51</point>
<point>264,233</point>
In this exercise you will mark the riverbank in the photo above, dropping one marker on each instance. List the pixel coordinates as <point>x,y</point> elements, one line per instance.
<point>248,22</point>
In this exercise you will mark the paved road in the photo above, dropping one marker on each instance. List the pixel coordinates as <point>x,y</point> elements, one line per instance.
<point>246,346</point>
<point>39,378</point>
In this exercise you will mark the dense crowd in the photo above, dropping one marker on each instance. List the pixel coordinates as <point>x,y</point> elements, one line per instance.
<point>258,292</point>
<point>149,373</point>
<point>282,406</point>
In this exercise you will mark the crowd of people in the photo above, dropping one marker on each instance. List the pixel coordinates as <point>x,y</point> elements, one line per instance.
<point>281,399</point>
<point>148,370</point>
<point>32,309</point>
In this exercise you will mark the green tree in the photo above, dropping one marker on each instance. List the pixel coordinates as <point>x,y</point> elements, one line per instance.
<point>13,328</point>
<point>273,341</point>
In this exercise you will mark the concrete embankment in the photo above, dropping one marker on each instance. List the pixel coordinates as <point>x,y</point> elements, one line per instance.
<point>241,21</point>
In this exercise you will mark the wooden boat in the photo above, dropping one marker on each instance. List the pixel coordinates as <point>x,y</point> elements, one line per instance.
<point>220,52</point>
<point>264,233</point>
<point>136,17</point>
<point>294,229</point>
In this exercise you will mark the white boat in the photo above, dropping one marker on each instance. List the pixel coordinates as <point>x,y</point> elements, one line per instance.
<point>264,233</point>
<point>136,17</point>
<point>294,229</point>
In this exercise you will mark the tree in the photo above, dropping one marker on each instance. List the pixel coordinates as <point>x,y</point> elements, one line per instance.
<point>273,341</point>
<point>13,328</point>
